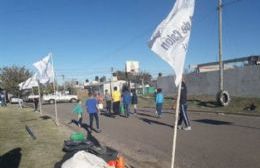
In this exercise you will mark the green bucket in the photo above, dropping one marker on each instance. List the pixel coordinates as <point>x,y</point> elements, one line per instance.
<point>122,110</point>
<point>77,136</point>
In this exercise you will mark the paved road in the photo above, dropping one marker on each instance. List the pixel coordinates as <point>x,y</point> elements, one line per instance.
<point>225,141</point>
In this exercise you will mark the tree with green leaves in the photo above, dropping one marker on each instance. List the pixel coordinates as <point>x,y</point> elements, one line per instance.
<point>10,77</point>
<point>137,77</point>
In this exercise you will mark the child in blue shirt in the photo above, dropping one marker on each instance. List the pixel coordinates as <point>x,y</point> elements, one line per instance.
<point>159,102</point>
<point>92,109</point>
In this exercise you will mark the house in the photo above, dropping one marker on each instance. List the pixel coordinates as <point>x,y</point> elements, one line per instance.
<point>102,86</point>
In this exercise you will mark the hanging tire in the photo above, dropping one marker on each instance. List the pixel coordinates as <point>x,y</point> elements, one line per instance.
<point>223,98</point>
<point>52,101</point>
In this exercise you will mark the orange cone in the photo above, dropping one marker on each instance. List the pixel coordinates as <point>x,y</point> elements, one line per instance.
<point>120,162</point>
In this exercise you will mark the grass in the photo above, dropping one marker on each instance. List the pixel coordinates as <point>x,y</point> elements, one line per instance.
<point>204,103</point>
<point>208,103</point>
<point>18,149</point>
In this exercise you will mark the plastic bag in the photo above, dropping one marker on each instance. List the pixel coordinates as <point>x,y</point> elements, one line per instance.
<point>84,159</point>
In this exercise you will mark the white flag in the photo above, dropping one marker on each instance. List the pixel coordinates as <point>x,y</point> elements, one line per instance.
<point>171,37</point>
<point>45,68</point>
<point>29,83</point>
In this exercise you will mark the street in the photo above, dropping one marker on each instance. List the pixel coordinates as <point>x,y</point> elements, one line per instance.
<point>226,141</point>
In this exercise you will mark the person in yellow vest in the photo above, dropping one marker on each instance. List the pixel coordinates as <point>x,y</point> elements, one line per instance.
<point>116,97</point>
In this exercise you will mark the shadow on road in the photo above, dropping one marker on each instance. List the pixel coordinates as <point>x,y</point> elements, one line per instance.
<point>217,122</point>
<point>11,159</point>
<point>45,117</point>
<point>212,104</point>
<point>213,122</point>
<point>148,115</point>
<point>154,122</point>
<point>149,110</point>
<point>73,122</point>
<point>107,115</point>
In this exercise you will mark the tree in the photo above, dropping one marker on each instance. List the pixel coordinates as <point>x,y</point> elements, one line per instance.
<point>96,78</point>
<point>10,77</point>
<point>103,79</point>
<point>137,78</point>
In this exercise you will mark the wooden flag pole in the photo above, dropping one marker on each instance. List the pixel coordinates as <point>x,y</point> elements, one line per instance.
<point>175,126</point>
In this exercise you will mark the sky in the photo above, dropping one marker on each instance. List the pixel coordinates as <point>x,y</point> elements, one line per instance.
<point>89,37</point>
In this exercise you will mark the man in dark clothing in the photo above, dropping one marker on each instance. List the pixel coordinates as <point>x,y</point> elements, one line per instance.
<point>183,115</point>
<point>36,102</point>
<point>134,100</point>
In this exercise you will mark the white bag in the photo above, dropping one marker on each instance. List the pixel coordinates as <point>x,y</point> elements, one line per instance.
<point>100,106</point>
<point>84,159</point>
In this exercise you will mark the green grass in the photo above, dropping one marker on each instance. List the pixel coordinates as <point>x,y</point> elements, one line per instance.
<point>45,151</point>
<point>204,103</point>
<point>207,103</point>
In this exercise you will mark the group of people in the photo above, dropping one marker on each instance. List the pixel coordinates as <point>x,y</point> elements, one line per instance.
<point>94,104</point>
<point>121,102</point>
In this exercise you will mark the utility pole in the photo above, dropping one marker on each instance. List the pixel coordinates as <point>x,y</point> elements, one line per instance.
<point>63,77</point>
<point>220,6</point>
<point>223,96</point>
<point>111,80</point>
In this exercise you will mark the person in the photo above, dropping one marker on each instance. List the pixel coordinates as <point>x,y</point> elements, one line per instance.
<point>134,100</point>
<point>20,103</point>
<point>3,99</point>
<point>108,100</point>
<point>126,101</point>
<point>183,115</point>
<point>116,97</point>
<point>159,102</point>
<point>79,112</point>
<point>100,101</point>
<point>154,95</point>
<point>36,102</point>
<point>92,109</point>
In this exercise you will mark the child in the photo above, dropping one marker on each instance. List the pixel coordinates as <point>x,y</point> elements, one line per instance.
<point>159,102</point>
<point>79,111</point>
<point>92,109</point>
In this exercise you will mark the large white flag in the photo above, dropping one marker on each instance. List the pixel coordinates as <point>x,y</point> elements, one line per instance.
<point>45,68</point>
<point>29,83</point>
<point>171,37</point>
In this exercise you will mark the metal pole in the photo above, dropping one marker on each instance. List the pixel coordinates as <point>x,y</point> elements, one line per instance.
<point>54,88</point>
<point>111,81</point>
<point>63,78</point>
<point>220,45</point>
<point>143,86</point>
<point>175,126</point>
<point>40,100</point>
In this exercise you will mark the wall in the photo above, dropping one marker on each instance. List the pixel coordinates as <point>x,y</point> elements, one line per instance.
<point>239,82</point>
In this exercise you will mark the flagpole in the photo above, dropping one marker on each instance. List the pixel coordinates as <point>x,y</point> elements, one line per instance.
<point>40,100</point>
<point>175,125</point>
<point>54,88</point>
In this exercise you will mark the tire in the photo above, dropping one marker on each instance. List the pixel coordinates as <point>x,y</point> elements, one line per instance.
<point>73,100</point>
<point>223,98</point>
<point>51,101</point>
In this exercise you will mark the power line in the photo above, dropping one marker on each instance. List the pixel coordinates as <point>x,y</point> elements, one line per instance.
<point>231,3</point>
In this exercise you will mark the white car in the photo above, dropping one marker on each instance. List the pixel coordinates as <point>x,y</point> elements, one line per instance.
<point>60,98</point>
<point>15,100</point>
